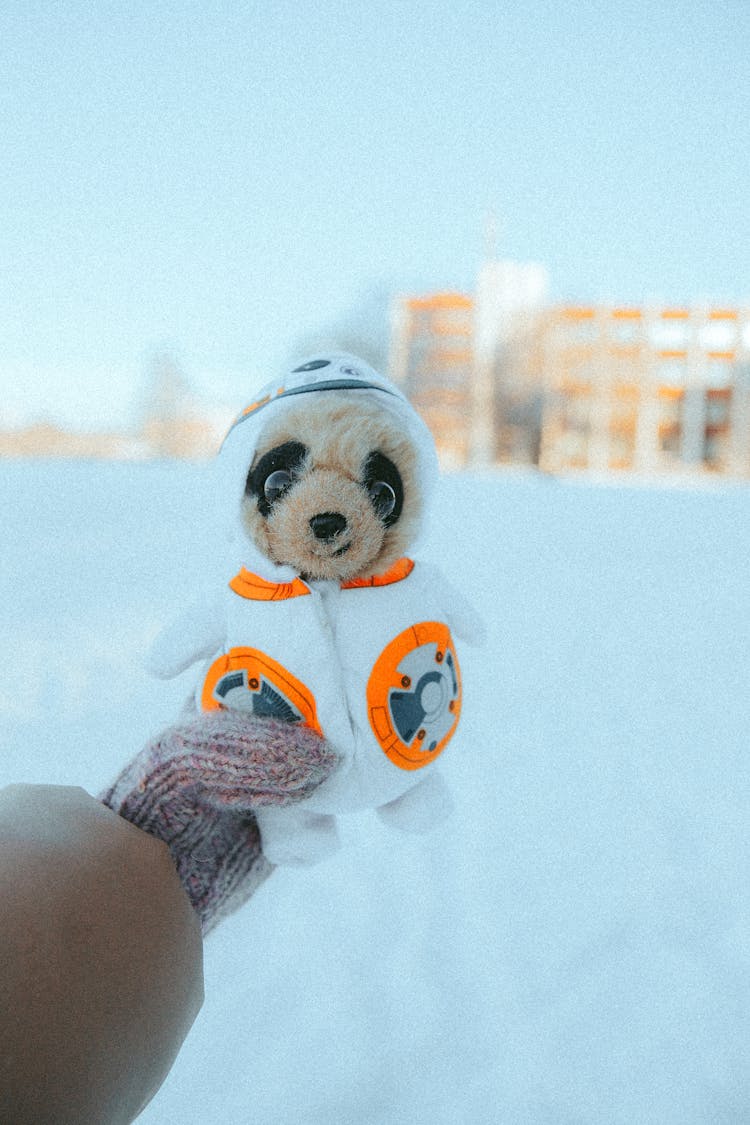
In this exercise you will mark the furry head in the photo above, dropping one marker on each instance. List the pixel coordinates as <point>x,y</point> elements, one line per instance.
<point>331,469</point>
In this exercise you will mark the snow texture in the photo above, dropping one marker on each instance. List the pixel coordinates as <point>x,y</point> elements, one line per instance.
<point>574,947</point>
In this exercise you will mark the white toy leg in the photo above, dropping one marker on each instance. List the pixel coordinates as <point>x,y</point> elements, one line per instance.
<point>295,837</point>
<point>420,808</point>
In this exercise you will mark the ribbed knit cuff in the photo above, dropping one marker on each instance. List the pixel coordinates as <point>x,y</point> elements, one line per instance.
<point>195,787</point>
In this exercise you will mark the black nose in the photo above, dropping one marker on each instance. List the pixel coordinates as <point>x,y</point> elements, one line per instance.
<point>327,525</point>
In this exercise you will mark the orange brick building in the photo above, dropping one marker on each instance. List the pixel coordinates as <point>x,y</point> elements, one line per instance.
<point>598,388</point>
<point>432,358</point>
<point>648,389</point>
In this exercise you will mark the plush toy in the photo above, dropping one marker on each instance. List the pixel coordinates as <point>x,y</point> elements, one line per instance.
<point>323,622</point>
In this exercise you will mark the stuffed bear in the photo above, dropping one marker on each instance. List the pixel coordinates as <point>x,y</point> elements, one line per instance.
<point>322,618</point>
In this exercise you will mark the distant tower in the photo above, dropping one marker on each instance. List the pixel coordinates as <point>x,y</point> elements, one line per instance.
<point>509,296</point>
<point>465,360</point>
<point>490,237</point>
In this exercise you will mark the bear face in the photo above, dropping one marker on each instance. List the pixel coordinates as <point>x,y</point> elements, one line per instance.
<point>332,490</point>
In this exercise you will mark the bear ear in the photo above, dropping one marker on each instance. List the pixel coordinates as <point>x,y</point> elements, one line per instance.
<point>288,458</point>
<point>384,486</point>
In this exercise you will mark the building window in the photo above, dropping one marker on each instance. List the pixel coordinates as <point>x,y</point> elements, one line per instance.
<point>623,424</point>
<point>718,421</point>
<point>671,401</point>
<point>718,335</point>
<point>670,332</point>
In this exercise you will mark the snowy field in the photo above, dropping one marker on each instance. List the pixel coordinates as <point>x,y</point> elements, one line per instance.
<point>574,947</point>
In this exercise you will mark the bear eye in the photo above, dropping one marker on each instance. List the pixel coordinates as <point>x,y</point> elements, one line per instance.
<point>384,487</point>
<point>276,485</point>
<point>383,498</point>
<point>275,473</point>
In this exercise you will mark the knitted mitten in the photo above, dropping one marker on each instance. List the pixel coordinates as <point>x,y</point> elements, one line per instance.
<point>195,787</point>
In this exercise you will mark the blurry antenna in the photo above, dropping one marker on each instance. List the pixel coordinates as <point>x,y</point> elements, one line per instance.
<point>491,236</point>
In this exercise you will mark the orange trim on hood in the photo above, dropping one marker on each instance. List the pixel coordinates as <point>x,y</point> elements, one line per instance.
<point>400,570</point>
<point>257,589</point>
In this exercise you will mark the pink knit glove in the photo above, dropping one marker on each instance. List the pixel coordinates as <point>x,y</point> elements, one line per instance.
<point>195,787</point>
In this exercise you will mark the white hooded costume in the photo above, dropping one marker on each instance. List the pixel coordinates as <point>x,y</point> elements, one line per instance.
<point>370,663</point>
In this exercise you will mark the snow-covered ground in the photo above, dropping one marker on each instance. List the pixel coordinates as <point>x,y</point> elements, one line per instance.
<point>574,947</point>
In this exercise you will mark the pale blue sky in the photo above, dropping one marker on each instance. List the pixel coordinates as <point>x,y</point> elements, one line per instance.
<point>221,179</point>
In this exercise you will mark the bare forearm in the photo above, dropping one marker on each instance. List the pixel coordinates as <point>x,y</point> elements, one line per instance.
<point>100,960</point>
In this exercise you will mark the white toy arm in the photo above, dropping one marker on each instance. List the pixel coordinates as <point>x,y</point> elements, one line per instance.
<point>195,635</point>
<point>422,807</point>
<point>465,621</point>
<point>459,614</point>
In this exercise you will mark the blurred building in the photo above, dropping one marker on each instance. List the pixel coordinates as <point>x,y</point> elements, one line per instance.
<point>44,439</point>
<point>432,359</point>
<point>503,377</point>
<point>650,389</point>
<point>173,423</point>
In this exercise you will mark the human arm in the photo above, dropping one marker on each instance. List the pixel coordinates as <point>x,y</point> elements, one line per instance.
<point>101,971</point>
<point>102,903</point>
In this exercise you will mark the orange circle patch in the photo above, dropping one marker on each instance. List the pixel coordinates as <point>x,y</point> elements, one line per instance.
<point>245,679</point>
<point>414,695</point>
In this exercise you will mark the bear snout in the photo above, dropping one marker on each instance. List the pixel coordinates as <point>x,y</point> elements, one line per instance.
<point>327,525</point>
